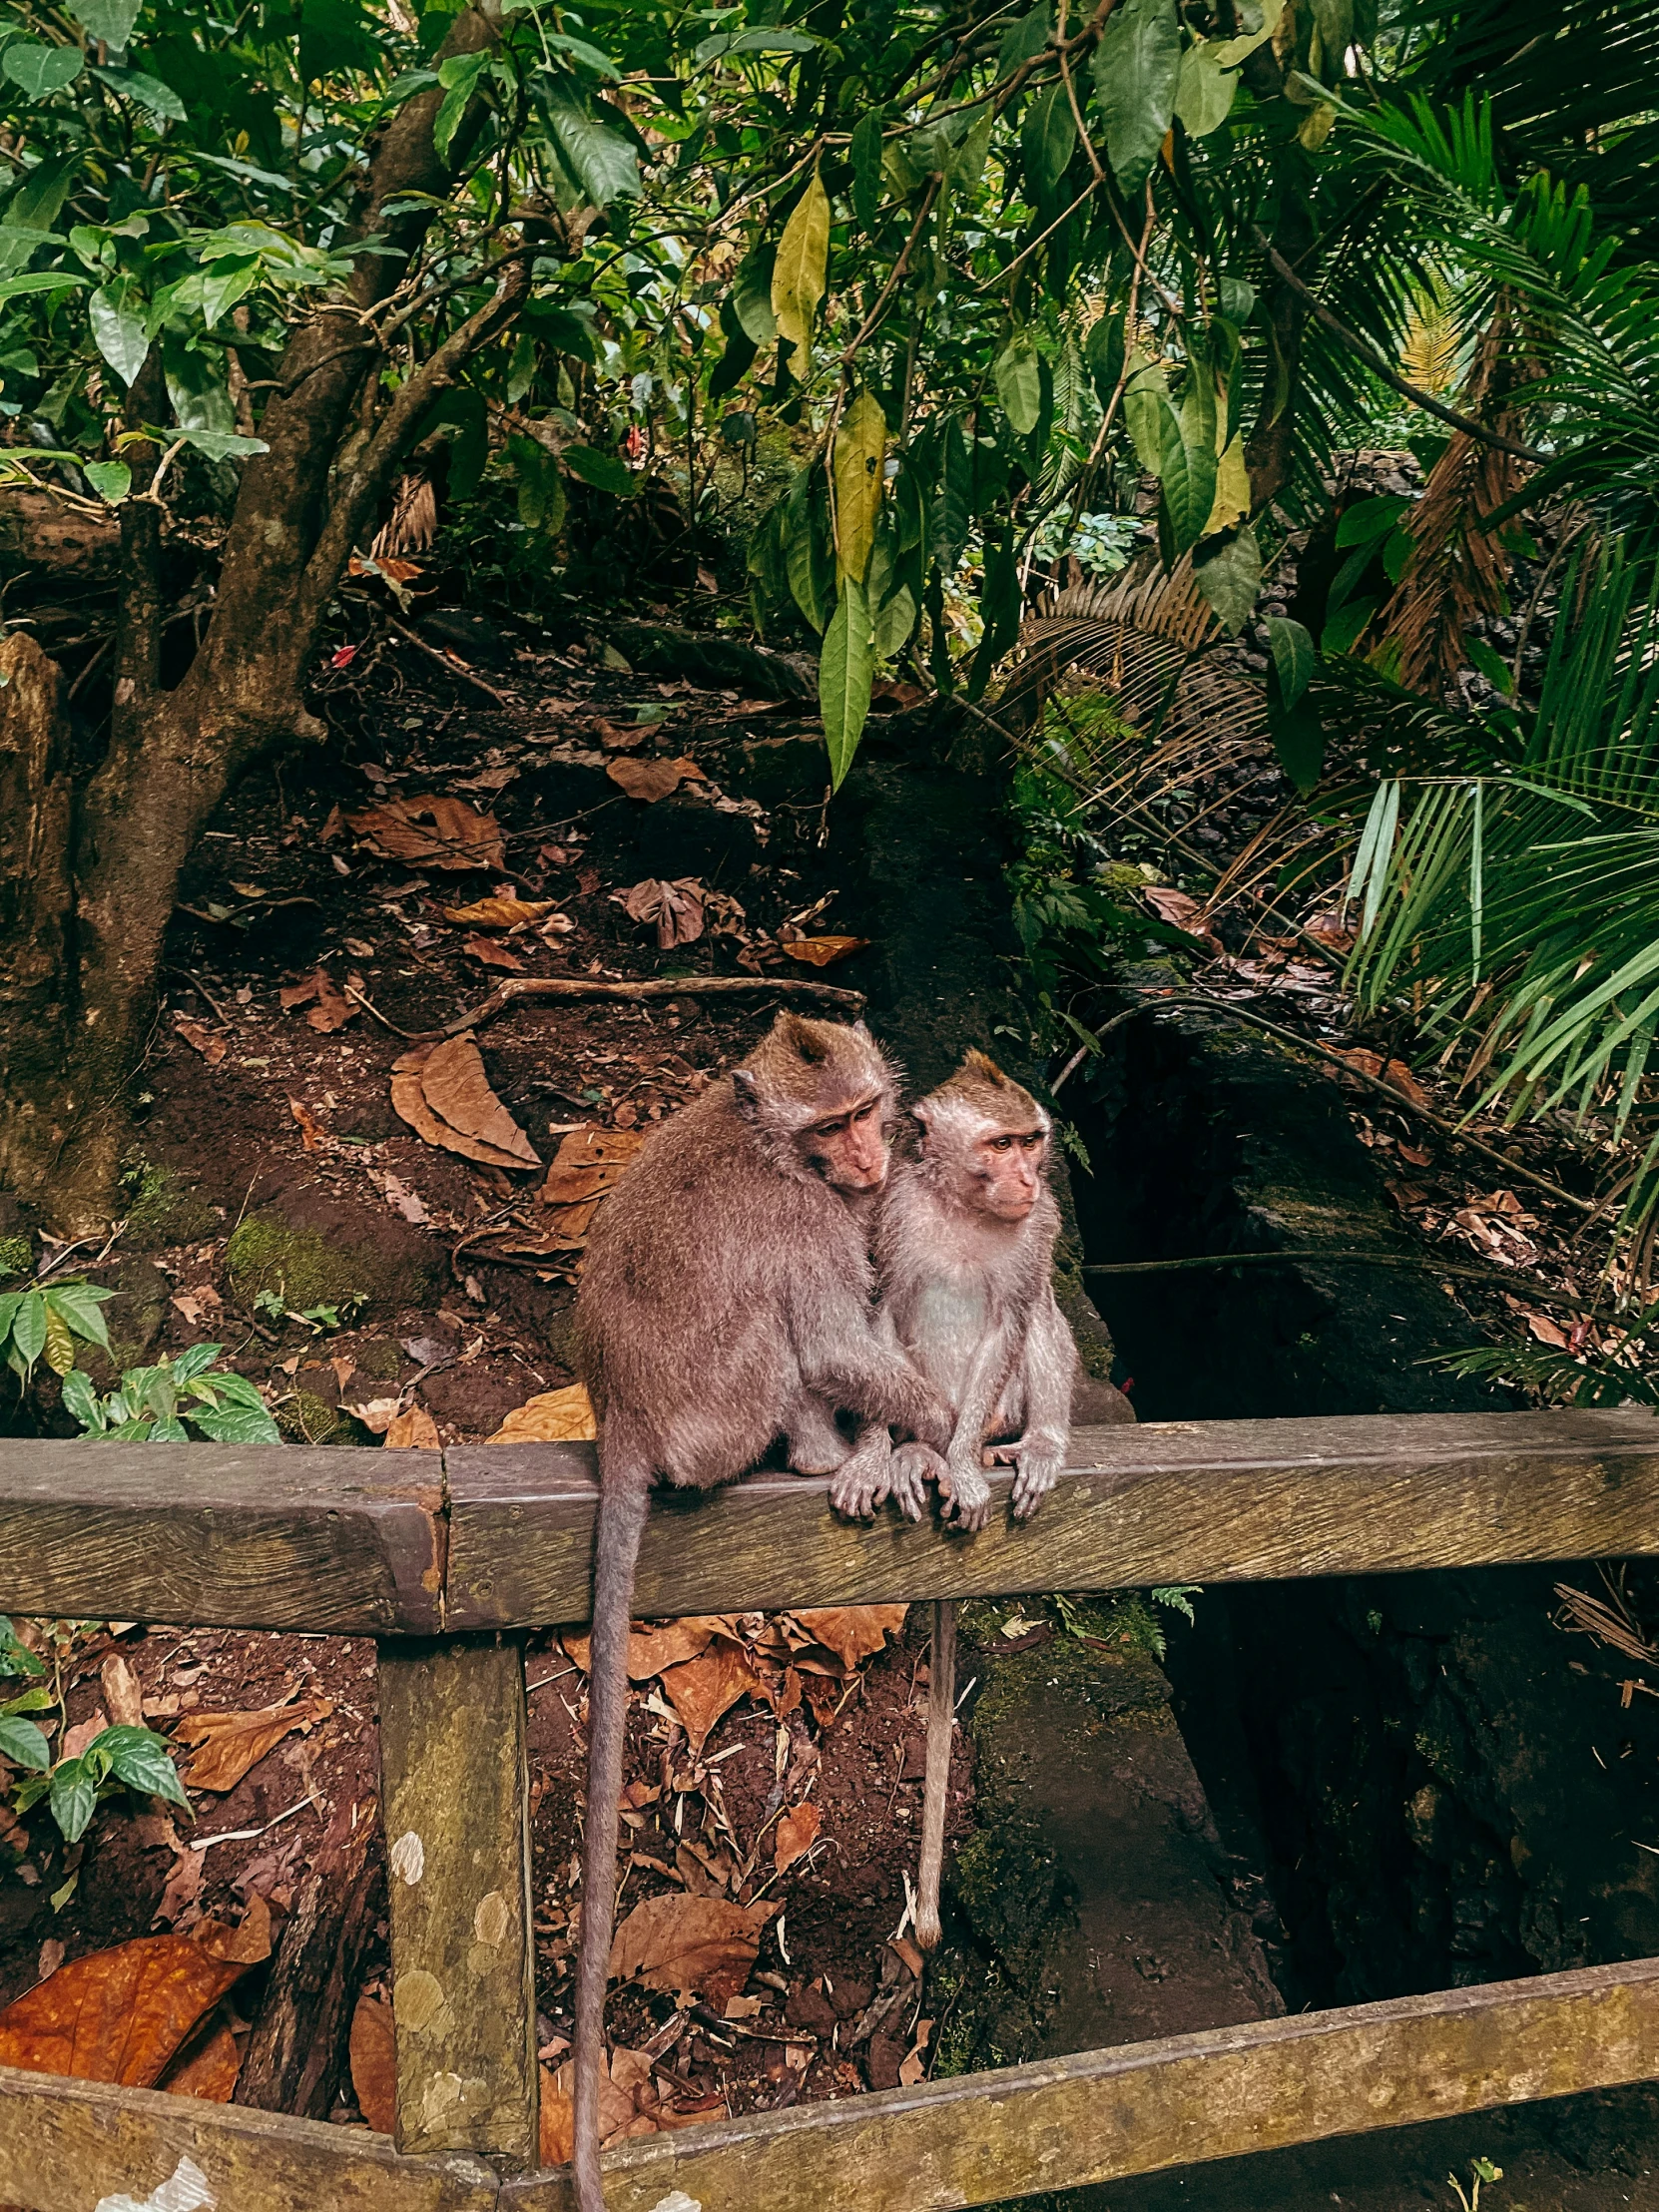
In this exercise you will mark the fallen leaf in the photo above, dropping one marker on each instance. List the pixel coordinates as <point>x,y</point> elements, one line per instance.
<point>377,1413</point>
<point>1180,912</point>
<point>343,656</point>
<point>201,1306</point>
<point>455,1087</point>
<point>407,1202</point>
<point>227,1745</point>
<point>796,1834</point>
<point>312,1131</point>
<point>1329,930</point>
<point>374,2064</point>
<point>486,780</point>
<point>490,954</point>
<point>116,2015</point>
<point>299,994</point>
<point>650,1650</point>
<point>122,1692</point>
<point>51,1958</point>
<point>914,2066</point>
<point>851,1632</point>
<point>1395,1074</point>
<point>693,1946</point>
<point>822,951</point>
<point>499,914</point>
<point>588,1163</point>
<point>247,1943</point>
<point>333,1010</point>
<point>675,907</point>
<point>621,737</point>
<point>705,1687</point>
<point>75,1738</point>
<point>211,1048</point>
<point>414,1430</point>
<point>433,831</point>
<point>408,1101</point>
<point>207,2069</point>
<point>184,1887</point>
<point>1546,1331</point>
<point>555,1418</point>
<point>653,780</point>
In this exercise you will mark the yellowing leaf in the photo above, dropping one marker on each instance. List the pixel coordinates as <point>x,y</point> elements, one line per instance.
<point>555,1418</point>
<point>1232,500</point>
<point>798,274</point>
<point>860,450</point>
<point>796,1834</point>
<point>498,913</point>
<point>822,951</point>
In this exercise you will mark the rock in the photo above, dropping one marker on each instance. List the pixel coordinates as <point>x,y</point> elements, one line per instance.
<point>811,2010</point>
<point>163,1207</point>
<point>473,636</point>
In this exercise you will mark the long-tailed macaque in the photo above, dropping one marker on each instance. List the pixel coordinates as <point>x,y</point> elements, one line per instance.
<point>965,1255</point>
<point>725,1299</point>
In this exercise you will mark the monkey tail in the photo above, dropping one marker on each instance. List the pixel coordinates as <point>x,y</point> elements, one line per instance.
<point>625,1478</point>
<point>941,1715</point>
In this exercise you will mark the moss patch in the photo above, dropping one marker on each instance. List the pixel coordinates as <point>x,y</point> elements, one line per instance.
<point>304,1268</point>
<point>306,1419</point>
<point>163,1208</point>
<point>17,1256</point>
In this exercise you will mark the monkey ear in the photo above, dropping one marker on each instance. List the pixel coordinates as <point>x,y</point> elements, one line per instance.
<point>861,1028</point>
<point>746,1092</point>
<point>922,1115</point>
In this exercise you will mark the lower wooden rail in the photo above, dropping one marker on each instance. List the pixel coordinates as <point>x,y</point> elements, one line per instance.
<point>1099,2116</point>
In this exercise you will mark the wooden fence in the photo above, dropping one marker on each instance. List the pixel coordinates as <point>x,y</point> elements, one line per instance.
<point>448,1560</point>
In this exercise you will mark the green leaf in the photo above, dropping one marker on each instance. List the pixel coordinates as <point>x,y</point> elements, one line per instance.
<point>111,480</point>
<point>29,1327</point>
<point>15,1655</point>
<point>118,333</point>
<point>109,20</point>
<point>224,282</point>
<point>40,71</point>
<point>236,1424</point>
<point>139,1756</point>
<point>752,295</point>
<point>1292,657</point>
<point>23,1744</point>
<point>224,445</point>
<point>601,159</point>
<point>59,1345</point>
<point>800,273</point>
<point>1344,627</point>
<point>866,156</point>
<point>459,76</point>
<point>1188,476</point>
<point>894,622</point>
<point>1230,577</point>
<point>147,92</point>
<point>42,280</point>
<point>1299,741</point>
<point>602,470</point>
<point>1236,299</point>
<point>82,1303</point>
<point>1020,385</point>
<point>1368,519</point>
<point>80,1401</point>
<point>760,38</point>
<point>1047,140</point>
<point>1026,36</point>
<point>1204,96</point>
<point>565,328</point>
<point>1000,608</point>
<point>1492,665</point>
<point>1137,67</point>
<point>196,1361</point>
<point>846,668</point>
<point>950,513</point>
<point>809,552</point>
<point>860,450</point>
<point>168,1429</point>
<point>73,1798</point>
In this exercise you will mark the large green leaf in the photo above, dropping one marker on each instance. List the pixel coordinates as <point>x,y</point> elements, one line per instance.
<point>235,1424</point>
<point>458,75</point>
<point>140,1758</point>
<point>117,331</point>
<point>1047,139</point>
<point>1204,97</point>
<point>866,156</point>
<point>845,670</point>
<point>1230,575</point>
<point>23,1744</point>
<point>73,1798</point>
<point>40,71</point>
<point>149,92</point>
<point>600,158</point>
<point>860,450</point>
<point>808,551</point>
<point>1137,68</point>
<point>1019,384</point>
<point>1024,38</point>
<point>80,1304</point>
<point>602,470</point>
<point>1294,657</point>
<point>1188,476</point>
<point>29,1327</point>
<point>951,511</point>
<point>109,20</point>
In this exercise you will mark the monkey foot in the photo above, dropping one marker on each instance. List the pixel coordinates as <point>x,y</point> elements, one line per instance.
<point>1037,1474</point>
<point>862,1485</point>
<point>915,1465</point>
<point>966,1499</point>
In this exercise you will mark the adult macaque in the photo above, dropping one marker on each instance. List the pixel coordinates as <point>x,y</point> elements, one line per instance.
<point>725,1299</point>
<point>965,1255</point>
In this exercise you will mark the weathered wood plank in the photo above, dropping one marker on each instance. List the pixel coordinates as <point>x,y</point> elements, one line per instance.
<point>1199,1502</point>
<point>223,1535</point>
<point>67,2145</point>
<point>455,1796</point>
<point>1106,2114</point>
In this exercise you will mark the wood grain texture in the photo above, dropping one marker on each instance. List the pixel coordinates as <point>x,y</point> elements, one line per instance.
<point>66,2146</point>
<point>1159,1502</point>
<point>1106,2114</point>
<point>455,1793</point>
<point>221,1535</point>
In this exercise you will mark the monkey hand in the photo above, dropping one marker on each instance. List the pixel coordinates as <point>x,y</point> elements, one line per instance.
<point>913,1467</point>
<point>965,1496</point>
<point>864,1479</point>
<point>1038,1460</point>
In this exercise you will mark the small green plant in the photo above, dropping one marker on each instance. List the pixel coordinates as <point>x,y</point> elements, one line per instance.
<point>153,1403</point>
<point>1481,2169</point>
<point>322,1320</point>
<point>1129,1615</point>
<point>118,1757</point>
<point>45,1320</point>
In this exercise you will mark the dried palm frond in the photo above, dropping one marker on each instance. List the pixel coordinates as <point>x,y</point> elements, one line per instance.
<point>413,523</point>
<point>1612,1624</point>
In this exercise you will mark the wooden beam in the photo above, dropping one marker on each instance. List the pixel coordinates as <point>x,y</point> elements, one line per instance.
<point>223,1535</point>
<point>455,1793</point>
<point>66,2146</point>
<point>1107,2114</point>
<point>1178,1501</point>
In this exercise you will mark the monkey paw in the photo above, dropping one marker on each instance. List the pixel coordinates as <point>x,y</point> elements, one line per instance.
<point>864,1481</point>
<point>915,1465</point>
<point>967,1497</point>
<point>1038,1466</point>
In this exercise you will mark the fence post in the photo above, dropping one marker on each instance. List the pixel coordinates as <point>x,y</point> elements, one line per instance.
<point>455,1801</point>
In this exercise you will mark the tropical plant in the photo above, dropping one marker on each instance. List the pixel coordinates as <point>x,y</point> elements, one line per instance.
<point>44,1320</point>
<point>154,1403</point>
<point>119,1755</point>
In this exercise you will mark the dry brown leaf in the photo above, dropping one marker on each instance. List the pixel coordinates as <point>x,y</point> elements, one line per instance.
<point>851,1632</point>
<point>227,1745</point>
<point>1395,1074</point>
<point>1546,1331</point>
<point>822,951</point>
<point>415,1430</point>
<point>698,1946</point>
<point>675,907</point>
<point>653,780</point>
<point>914,2066</point>
<point>621,737</point>
<point>433,831</point>
<point>123,1693</point>
<point>555,1418</point>
<point>312,1131</point>
<point>650,1650</point>
<point>1180,912</point>
<point>705,1687</point>
<point>499,914</point>
<point>299,995</point>
<point>184,1887</point>
<point>408,1101</point>
<point>490,954</point>
<point>333,1010</point>
<point>116,2015</point>
<point>455,1087</point>
<point>197,1038</point>
<point>245,1944</point>
<point>588,1163</point>
<point>374,2064</point>
<point>796,1834</point>
<point>208,2068</point>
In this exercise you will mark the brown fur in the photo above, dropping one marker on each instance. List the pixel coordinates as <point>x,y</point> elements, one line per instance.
<point>726,1299</point>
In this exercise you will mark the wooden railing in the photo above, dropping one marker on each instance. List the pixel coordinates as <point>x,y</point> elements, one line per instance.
<point>448,1560</point>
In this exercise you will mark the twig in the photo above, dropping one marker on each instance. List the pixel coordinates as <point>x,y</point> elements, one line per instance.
<point>1325,1052</point>
<point>446,659</point>
<point>1493,1277</point>
<point>369,1006</point>
<point>684,986</point>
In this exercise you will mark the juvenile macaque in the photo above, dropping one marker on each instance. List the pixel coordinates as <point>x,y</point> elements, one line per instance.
<point>725,1299</point>
<point>965,1255</point>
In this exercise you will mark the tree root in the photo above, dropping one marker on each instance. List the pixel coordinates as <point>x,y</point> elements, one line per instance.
<point>522,987</point>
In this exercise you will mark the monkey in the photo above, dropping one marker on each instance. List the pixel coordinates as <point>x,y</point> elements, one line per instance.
<point>964,1247</point>
<point>726,1299</point>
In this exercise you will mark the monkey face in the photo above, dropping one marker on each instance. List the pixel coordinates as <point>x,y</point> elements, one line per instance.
<point>849,1149</point>
<point>1007,1166</point>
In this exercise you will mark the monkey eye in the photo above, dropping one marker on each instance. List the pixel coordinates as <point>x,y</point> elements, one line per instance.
<point>1001,1144</point>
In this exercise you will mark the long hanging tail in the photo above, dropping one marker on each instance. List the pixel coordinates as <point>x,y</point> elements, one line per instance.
<point>941,1713</point>
<point>624,1484</point>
